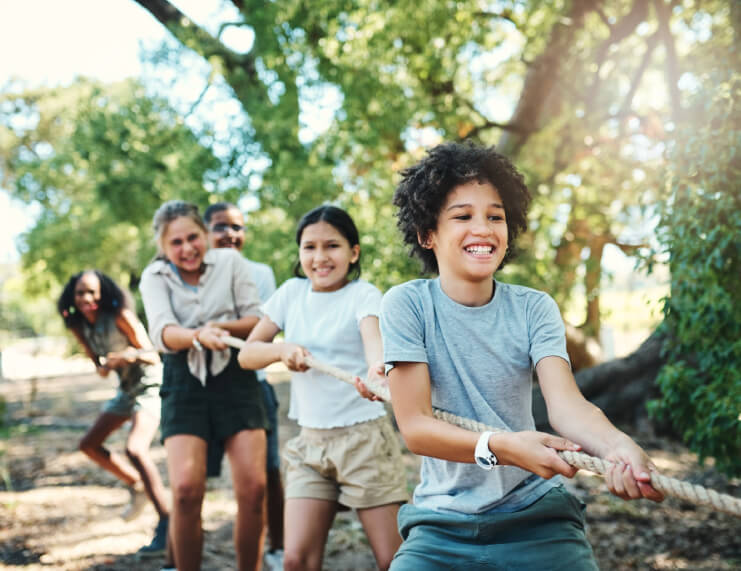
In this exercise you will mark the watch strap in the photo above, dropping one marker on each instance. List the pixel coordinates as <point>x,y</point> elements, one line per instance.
<point>484,457</point>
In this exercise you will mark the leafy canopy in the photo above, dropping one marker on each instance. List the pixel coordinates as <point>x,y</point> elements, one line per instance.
<point>700,229</point>
<point>98,160</point>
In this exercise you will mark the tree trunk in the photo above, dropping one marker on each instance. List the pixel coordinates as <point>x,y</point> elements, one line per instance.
<point>584,351</point>
<point>619,387</point>
<point>541,78</point>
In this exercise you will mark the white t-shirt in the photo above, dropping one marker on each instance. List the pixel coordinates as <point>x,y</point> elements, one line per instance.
<point>264,278</point>
<point>327,324</point>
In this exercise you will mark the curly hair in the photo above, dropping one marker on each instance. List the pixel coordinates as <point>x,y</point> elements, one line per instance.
<point>425,186</point>
<point>341,221</point>
<point>112,299</point>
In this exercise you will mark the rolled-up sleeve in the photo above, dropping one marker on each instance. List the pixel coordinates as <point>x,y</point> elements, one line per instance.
<point>157,306</point>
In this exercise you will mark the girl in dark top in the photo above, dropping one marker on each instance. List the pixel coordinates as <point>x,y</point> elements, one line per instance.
<point>97,312</point>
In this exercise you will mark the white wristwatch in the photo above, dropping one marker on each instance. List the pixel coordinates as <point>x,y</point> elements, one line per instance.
<point>483,456</point>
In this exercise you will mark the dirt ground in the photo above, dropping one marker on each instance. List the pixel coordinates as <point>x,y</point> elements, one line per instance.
<point>59,511</point>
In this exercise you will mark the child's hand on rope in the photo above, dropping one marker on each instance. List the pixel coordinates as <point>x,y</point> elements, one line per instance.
<point>533,451</point>
<point>118,359</point>
<point>629,477</point>
<point>210,337</point>
<point>376,376</point>
<point>102,370</point>
<point>292,356</point>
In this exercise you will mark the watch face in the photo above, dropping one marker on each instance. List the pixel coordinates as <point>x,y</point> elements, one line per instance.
<point>484,461</point>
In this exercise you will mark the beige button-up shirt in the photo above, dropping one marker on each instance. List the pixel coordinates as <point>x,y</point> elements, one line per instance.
<point>225,292</point>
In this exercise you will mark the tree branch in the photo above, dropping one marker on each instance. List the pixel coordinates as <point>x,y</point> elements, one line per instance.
<point>226,25</point>
<point>736,25</point>
<point>603,16</point>
<point>671,67</point>
<point>627,24</point>
<point>542,76</point>
<point>510,127</point>
<point>505,15</point>
<point>193,36</point>
<point>199,98</point>
<point>640,70</point>
<point>485,123</point>
<point>629,249</point>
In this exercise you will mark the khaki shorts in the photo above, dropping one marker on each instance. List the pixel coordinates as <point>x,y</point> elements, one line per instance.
<point>358,466</point>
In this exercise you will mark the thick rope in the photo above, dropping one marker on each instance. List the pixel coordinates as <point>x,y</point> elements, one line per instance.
<point>693,493</point>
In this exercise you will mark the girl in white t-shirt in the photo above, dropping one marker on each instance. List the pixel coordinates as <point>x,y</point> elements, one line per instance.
<point>347,454</point>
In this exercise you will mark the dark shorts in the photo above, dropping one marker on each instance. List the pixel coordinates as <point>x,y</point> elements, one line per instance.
<point>215,456</point>
<point>230,402</point>
<point>546,535</point>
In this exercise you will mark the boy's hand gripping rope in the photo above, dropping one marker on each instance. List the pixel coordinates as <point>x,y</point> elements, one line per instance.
<point>668,486</point>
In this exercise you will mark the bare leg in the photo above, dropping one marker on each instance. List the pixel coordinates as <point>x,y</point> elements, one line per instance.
<point>169,554</point>
<point>186,465</point>
<point>92,445</point>
<point>382,531</point>
<point>275,509</point>
<point>246,450</point>
<point>307,527</point>
<point>143,429</point>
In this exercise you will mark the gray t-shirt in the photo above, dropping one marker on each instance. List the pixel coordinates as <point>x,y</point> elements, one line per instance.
<point>481,362</point>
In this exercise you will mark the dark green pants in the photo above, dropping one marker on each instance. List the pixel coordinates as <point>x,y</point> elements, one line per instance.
<point>547,535</point>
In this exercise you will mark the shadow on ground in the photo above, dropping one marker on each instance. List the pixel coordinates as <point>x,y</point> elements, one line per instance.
<point>58,510</point>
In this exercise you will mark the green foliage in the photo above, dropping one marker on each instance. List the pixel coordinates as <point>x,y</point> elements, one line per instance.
<point>388,79</point>
<point>98,160</point>
<point>701,226</point>
<point>411,74</point>
<point>14,317</point>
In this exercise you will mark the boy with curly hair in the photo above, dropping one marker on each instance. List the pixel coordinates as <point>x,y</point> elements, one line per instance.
<point>468,343</point>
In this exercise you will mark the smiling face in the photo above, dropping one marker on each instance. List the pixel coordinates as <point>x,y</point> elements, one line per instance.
<point>226,229</point>
<point>470,240</point>
<point>184,243</point>
<point>87,296</point>
<point>325,256</point>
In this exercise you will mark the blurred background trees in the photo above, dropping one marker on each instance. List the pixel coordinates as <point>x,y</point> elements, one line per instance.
<point>98,161</point>
<point>609,108</point>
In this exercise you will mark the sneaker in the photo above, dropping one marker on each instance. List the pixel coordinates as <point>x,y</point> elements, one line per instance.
<point>137,500</point>
<point>273,560</point>
<point>158,546</point>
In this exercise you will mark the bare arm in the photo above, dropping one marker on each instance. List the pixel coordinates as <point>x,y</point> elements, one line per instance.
<point>370,332</point>
<point>179,338</point>
<point>574,417</point>
<point>102,369</point>
<point>237,327</point>
<point>259,351</point>
<point>427,436</point>
<point>130,326</point>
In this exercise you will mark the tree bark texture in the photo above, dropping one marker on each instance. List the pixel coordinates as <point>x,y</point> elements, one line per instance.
<point>541,78</point>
